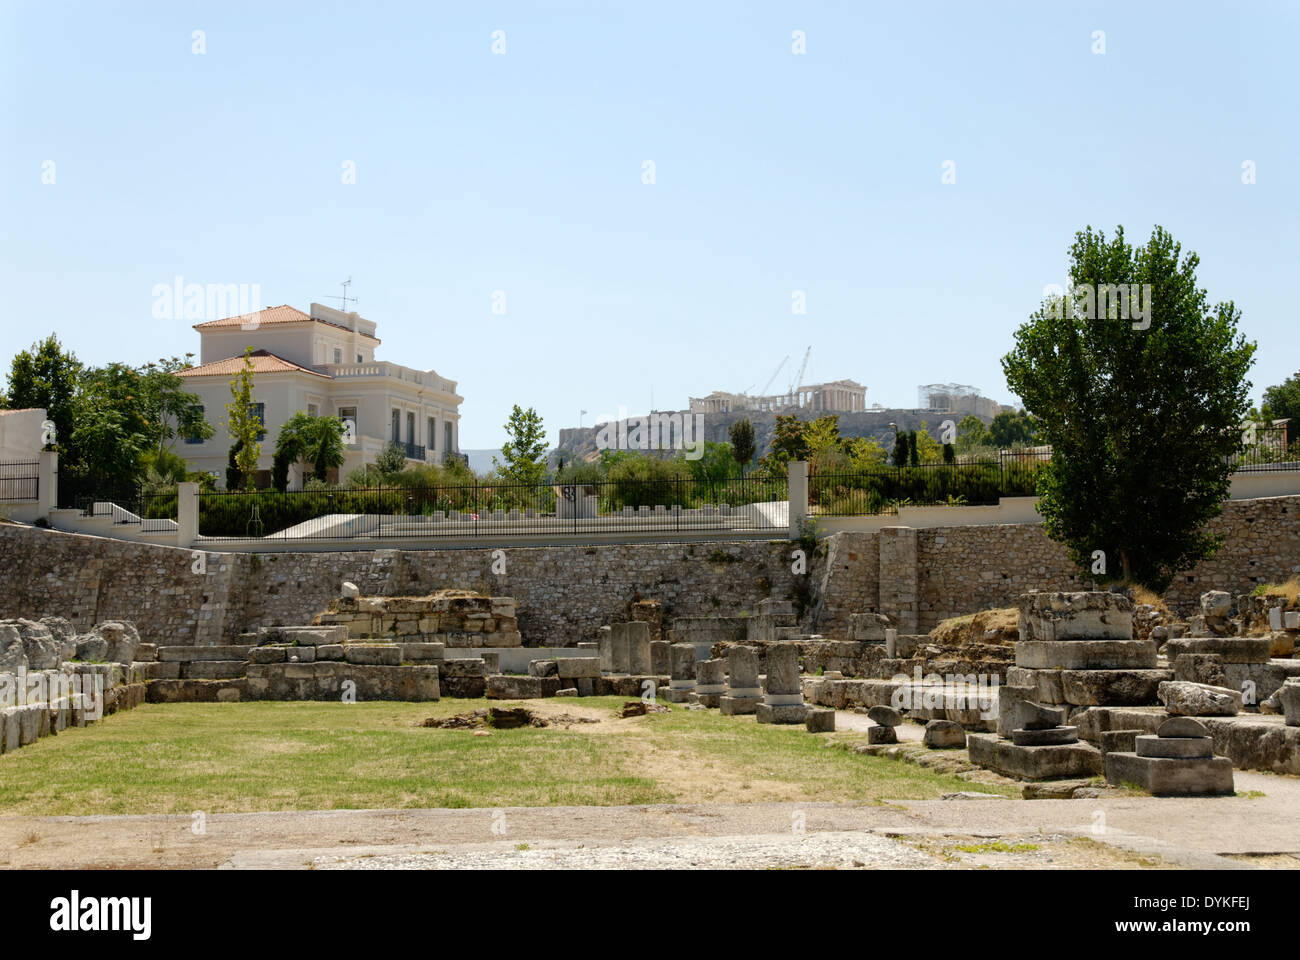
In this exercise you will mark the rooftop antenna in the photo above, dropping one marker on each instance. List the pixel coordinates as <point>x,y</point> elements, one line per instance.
<point>345,297</point>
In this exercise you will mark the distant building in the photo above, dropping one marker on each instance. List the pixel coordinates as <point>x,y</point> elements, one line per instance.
<point>838,396</point>
<point>957,399</point>
<point>322,363</point>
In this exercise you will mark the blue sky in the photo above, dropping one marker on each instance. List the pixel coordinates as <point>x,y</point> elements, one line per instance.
<point>522,172</point>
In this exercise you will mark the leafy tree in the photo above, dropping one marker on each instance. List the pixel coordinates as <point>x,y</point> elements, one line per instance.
<point>743,446</point>
<point>913,457</point>
<point>391,460</point>
<point>715,464</point>
<point>243,424</point>
<point>864,453</point>
<point>525,450</point>
<point>234,479</point>
<point>900,448</point>
<point>1010,428</point>
<point>171,410</point>
<point>949,454</point>
<point>318,440</point>
<point>1282,402</point>
<point>822,436</point>
<point>971,434</point>
<point>1142,422</point>
<point>789,440</point>
<point>928,449</point>
<point>45,376</point>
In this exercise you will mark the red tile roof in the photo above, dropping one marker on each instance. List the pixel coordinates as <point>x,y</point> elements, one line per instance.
<point>270,316</point>
<point>263,362</point>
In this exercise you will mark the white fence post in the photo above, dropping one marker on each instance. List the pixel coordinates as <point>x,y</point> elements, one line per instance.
<point>187,514</point>
<point>47,483</point>
<point>797,483</point>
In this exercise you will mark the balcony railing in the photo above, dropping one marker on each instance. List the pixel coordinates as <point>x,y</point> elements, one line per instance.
<point>413,451</point>
<point>393,371</point>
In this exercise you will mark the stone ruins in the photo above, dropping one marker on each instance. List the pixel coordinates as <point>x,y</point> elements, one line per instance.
<point>1074,688</point>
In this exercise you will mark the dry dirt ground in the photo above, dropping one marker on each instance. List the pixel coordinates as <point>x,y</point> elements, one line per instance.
<point>1258,828</point>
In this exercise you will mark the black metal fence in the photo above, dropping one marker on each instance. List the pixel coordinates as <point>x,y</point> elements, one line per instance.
<point>738,504</point>
<point>881,490</point>
<point>19,479</point>
<point>1266,449</point>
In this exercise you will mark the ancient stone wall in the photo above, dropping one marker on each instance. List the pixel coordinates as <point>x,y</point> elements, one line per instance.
<point>915,576</point>
<point>565,594</point>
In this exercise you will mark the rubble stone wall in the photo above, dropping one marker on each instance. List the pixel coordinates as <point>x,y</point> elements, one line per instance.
<point>566,593</point>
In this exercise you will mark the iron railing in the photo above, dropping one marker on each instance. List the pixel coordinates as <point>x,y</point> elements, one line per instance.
<point>19,479</point>
<point>882,489</point>
<point>738,504</point>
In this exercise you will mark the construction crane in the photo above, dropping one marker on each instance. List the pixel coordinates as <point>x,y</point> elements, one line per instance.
<point>798,378</point>
<point>767,385</point>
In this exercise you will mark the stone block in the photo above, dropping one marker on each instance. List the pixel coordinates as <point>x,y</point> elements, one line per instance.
<point>944,735</point>
<point>1046,685</point>
<point>332,651</point>
<point>213,669</point>
<point>730,706</point>
<point>1119,741</point>
<point>1034,763</point>
<point>416,652</point>
<point>1173,748</point>
<point>1289,696</point>
<point>1112,687</point>
<point>1198,700</point>
<point>459,667</point>
<point>1086,654</point>
<point>267,655</point>
<point>541,668</point>
<point>882,735</point>
<point>189,654</point>
<point>1230,649</point>
<point>1206,777</point>
<point>373,654</point>
<point>506,687</point>
<point>574,667</point>
<point>819,720</point>
<point>1086,615</point>
<point>791,713</point>
<point>1200,668</point>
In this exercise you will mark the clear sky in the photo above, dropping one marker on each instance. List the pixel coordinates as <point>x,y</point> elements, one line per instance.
<point>522,172</point>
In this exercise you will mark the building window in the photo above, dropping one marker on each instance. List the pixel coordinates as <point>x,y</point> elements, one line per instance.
<point>313,410</point>
<point>359,360</point>
<point>410,428</point>
<point>258,410</point>
<point>446,439</point>
<point>433,434</point>
<point>190,438</point>
<point>338,355</point>
<point>397,426</point>
<point>349,417</point>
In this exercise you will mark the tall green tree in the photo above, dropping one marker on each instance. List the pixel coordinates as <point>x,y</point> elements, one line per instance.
<point>972,434</point>
<point>1282,402</point>
<point>172,411</point>
<point>1142,420</point>
<point>318,440</point>
<point>1010,428</point>
<point>244,426</point>
<point>45,376</point>
<point>524,451</point>
<point>743,446</point>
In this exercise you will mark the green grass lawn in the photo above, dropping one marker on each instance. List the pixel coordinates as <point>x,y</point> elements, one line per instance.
<point>226,758</point>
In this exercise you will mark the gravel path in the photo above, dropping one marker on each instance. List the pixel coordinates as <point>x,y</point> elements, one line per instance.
<point>766,851</point>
